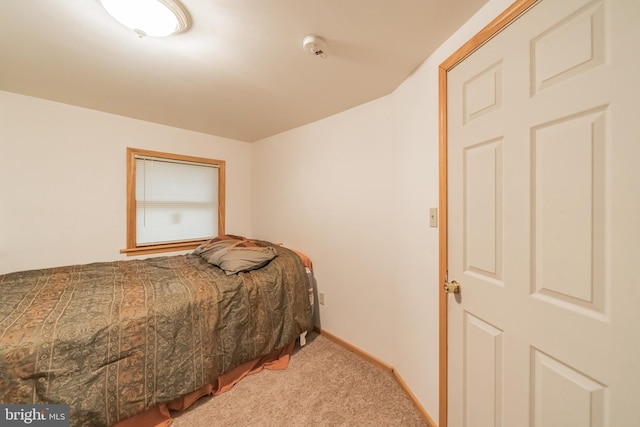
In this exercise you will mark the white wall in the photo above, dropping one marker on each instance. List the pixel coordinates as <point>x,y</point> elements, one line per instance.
<point>353,191</point>
<point>327,190</point>
<point>63,180</point>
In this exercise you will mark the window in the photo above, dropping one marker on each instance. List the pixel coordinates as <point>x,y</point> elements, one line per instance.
<point>174,202</point>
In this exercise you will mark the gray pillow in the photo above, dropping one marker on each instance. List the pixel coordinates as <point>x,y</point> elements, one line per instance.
<point>234,259</point>
<point>207,249</point>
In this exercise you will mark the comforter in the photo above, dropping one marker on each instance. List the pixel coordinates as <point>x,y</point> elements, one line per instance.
<point>114,339</point>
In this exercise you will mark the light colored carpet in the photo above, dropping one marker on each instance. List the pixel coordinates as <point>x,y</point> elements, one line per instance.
<point>324,385</point>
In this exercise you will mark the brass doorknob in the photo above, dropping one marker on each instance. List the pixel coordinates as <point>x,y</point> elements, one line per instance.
<point>451,288</point>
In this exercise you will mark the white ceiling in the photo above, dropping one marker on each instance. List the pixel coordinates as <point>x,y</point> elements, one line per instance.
<point>238,72</point>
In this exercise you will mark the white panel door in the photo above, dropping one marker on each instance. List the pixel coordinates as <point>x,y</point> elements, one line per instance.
<point>543,221</point>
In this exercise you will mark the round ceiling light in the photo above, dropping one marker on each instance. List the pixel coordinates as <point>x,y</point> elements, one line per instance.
<point>154,18</point>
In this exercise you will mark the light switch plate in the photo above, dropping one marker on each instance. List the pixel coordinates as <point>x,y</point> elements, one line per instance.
<point>433,217</point>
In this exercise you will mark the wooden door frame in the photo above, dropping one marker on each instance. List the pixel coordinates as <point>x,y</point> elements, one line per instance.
<point>487,33</point>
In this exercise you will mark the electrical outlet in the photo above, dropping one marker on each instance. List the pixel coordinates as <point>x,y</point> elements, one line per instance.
<point>321,298</point>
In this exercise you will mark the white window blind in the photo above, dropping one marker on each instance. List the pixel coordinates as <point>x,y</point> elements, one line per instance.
<point>176,201</point>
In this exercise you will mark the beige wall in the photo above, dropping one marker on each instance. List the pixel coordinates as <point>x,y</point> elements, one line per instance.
<point>62,180</point>
<point>353,191</point>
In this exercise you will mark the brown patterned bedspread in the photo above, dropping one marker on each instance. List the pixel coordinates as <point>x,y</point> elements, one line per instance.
<point>114,339</point>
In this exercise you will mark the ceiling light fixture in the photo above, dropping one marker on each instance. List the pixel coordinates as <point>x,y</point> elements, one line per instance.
<point>154,18</point>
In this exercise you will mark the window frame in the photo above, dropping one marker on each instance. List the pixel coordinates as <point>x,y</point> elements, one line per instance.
<point>132,248</point>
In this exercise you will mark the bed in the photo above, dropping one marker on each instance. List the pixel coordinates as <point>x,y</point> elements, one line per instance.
<point>123,342</point>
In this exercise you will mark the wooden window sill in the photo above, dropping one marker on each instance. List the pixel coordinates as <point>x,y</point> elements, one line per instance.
<point>154,249</point>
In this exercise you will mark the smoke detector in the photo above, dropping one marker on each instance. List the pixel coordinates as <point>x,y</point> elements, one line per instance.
<point>315,45</point>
